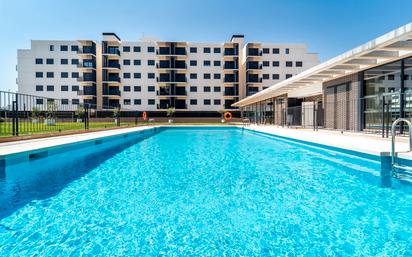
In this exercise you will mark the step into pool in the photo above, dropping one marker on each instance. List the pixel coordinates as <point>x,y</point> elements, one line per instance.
<point>200,191</point>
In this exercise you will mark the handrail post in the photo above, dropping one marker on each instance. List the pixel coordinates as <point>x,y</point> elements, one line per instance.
<point>393,141</point>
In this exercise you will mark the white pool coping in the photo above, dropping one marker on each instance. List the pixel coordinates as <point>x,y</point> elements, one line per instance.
<point>359,142</point>
<point>349,141</point>
<point>41,143</point>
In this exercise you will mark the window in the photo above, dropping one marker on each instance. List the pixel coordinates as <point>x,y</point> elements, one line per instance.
<point>50,74</point>
<point>75,61</point>
<point>75,88</point>
<point>193,102</point>
<point>64,88</point>
<point>39,88</point>
<point>289,64</point>
<point>216,89</point>
<point>75,48</point>
<point>193,50</point>
<point>63,48</point>
<point>265,76</point>
<point>64,61</point>
<point>39,101</point>
<point>275,64</point>
<point>216,76</point>
<point>136,49</point>
<point>151,101</point>
<point>126,75</point>
<point>216,102</point>
<point>206,89</point>
<point>286,50</point>
<point>65,101</point>
<point>193,63</point>
<point>64,75</point>
<point>50,88</point>
<point>126,62</point>
<point>137,62</point>
<point>206,50</point>
<point>137,88</point>
<point>288,76</point>
<point>206,63</point>
<point>75,74</point>
<point>216,63</point>
<point>39,74</point>
<point>150,62</point>
<point>51,48</point>
<point>137,101</point>
<point>193,76</point>
<point>206,101</point>
<point>193,89</point>
<point>75,101</point>
<point>49,61</point>
<point>391,77</point>
<point>275,50</point>
<point>150,88</point>
<point>266,64</point>
<point>150,49</point>
<point>298,64</point>
<point>126,101</point>
<point>126,49</point>
<point>137,75</point>
<point>216,50</point>
<point>265,50</point>
<point>126,88</point>
<point>275,76</point>
<point>206,76</point>
<point>39,61</point>
<point>150,75</point>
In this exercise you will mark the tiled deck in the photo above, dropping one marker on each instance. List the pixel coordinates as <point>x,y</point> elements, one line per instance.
<point>365,143</point>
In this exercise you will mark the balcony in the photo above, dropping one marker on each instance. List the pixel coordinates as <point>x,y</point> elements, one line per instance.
<point>230,79</point>
<point>112,51</point>
<point>111,92</point>
<point>171,79</point>
<point>171,66</point>
<point>112,65</point>
<point>254,52</point>
<point>86,50</point>
<point>230,66</point>
<point>253,66</point>
<point>253,80</point>
<point>87,78</point>
<point>177,106</point>
<point>172,51</point>
<point>230,52</point>
<point>86,65</point>
<point>230,92</point>
<point>172,93</point>
<point>87,91</point>
<point>112,79</point>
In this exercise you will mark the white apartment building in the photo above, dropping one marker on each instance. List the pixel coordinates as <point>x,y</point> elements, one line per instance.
<point>151,75</point>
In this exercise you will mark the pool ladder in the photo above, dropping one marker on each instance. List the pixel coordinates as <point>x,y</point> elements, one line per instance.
<point>396,168</point>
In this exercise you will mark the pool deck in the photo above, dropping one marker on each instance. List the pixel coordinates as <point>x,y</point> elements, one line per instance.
<point>364,143</point>
<point>35,144</point>
<point>360,142</point>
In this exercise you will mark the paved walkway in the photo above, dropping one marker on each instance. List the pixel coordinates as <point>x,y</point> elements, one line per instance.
<point>365,143</point>
<point>34,144</point>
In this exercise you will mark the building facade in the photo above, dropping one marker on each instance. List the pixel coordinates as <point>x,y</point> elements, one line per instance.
<point>151,75</point>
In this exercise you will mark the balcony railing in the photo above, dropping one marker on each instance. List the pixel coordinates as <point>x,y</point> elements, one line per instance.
<point>112,79</point>
<point>177,106</point>
<point>254,52</point>
<point>114,51</point>
<point>230,80</point>
<point>112,65</point>
<point>112,92</point>
<point>253,80</point>
<point>230,93</point>
<point>90,65</point>
<point>171,66</point>
<point>86,50</point>
<point>175,93</point>
<point>253,66</point>
<point>171,51</point>
<point>171,80</point>
<point>229,66</point>
<point>230,52</point>
<point>86,79</point>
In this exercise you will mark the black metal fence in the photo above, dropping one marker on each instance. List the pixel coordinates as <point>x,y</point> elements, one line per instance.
<point>373,115</point>
<point>22,114</point>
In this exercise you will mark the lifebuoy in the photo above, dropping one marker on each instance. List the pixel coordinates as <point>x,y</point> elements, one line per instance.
<point>227,116</point>
<point>144,116</point>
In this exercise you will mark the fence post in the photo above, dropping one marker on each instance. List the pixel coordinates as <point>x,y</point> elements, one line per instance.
<point>118,116</point>
<point>86,116</point>
<point>135,118</point>
<point>383,116</point>
<point>15,119</point>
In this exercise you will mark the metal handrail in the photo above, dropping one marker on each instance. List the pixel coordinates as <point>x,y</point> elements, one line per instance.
<point>393,132</point>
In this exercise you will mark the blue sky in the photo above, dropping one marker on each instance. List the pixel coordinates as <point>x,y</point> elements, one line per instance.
<point>328,27</point>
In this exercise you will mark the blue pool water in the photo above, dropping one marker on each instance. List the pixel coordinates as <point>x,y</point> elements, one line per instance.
<point>202,192</point>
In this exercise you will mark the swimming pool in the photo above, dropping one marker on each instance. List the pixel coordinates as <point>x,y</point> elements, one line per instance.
<point>202,191</point>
